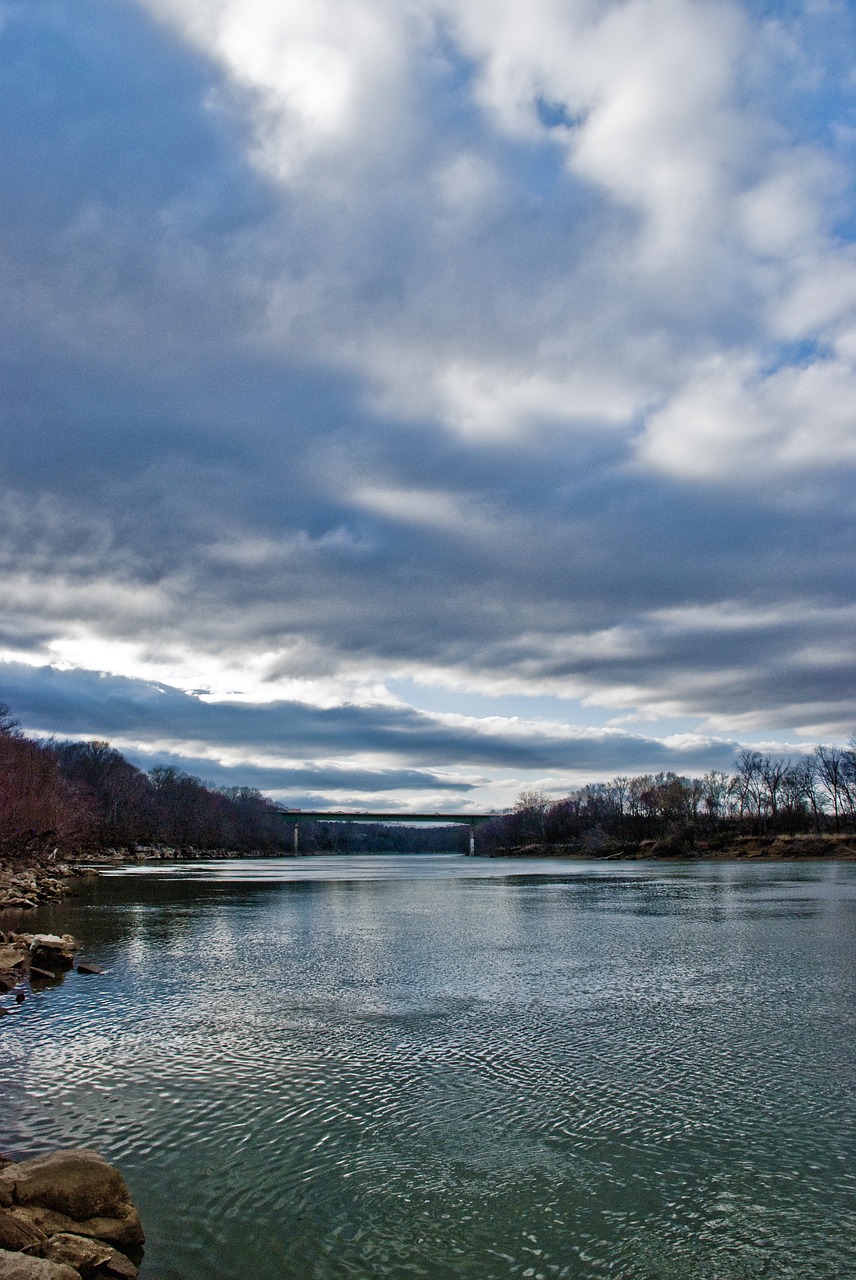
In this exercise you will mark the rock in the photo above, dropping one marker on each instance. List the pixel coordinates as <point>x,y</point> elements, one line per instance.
<point>36,972</point>
<point>51,951</point>
<point>18,1266</point>
<point>124,1231</point>
<point>86,1256</point>
<point>89,968</point>
<point>62,1214</point>
<point>46,1221</point>
<point>3,1011</point>
<point>118,1267</point>
<point>17,1233</point>
<point>13,956</point>
<point>80,1184</point>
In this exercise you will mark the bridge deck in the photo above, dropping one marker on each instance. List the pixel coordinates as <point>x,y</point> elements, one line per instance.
<point>332,815</point>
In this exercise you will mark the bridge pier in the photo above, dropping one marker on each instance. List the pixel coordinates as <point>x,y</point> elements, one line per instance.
<point>471,820</point>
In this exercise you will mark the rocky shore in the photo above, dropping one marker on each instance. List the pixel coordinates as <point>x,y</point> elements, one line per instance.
<point>67,1216</point>
<point>31,961</point>
<point>31,883</point>
<point>27,885</point>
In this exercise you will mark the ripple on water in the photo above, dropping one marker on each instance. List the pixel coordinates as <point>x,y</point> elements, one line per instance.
<point>457,1079</point>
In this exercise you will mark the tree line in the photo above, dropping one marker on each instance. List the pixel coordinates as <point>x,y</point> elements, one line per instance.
<point>79,796</point>
<point>85,796</point>
<point>765,795</point>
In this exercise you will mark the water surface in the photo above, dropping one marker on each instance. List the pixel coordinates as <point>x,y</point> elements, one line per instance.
<point>327,1068</point>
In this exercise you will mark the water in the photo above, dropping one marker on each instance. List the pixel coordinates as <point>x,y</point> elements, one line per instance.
<point>437,1067</point>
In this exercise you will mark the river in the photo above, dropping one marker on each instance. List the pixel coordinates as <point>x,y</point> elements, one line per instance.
<point>393,1067</point>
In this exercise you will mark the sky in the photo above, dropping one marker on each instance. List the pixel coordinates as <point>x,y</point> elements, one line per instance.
<point>406,402</point>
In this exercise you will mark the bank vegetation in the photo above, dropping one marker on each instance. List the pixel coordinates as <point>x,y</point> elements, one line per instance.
<point>71,799</point>
<point>799,807</point>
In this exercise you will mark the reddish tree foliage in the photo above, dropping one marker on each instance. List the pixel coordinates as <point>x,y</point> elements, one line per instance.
<point>39,808</point>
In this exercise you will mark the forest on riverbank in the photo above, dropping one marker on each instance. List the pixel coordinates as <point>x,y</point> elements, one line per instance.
<point>81,798</point>
<point>73,798</point>
<point>764,798</point>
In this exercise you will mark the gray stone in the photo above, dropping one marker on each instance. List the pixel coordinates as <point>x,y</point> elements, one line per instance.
<point>124,1229</point>
<point>13,956</point>
<point>45,1221</point>
<point>19,1266</point>
<point>118,1267</point>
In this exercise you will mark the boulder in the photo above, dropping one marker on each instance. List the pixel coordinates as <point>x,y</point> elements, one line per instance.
<point>53,952</point>
<point>17,1233</point>
<point>45,1221</point>
<point>124,1230</point>
<point>89,968</point>
<point>13,955</point>
<point>117,1267</point>
<point>79,1184</point>
<point>19,1266</point>
<point>86,1256</point>
<point>63,1213</point>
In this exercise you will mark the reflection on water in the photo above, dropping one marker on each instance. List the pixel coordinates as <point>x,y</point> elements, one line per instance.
<point>440,1067</point>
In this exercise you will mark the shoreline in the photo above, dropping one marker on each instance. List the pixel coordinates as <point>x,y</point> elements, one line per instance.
<point>26,885</point>
<point>779,848</point>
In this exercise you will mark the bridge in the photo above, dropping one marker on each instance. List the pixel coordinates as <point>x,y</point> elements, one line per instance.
<point>472,820</point>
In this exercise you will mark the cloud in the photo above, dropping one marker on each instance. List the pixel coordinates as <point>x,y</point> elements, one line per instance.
<point>351,343</point>
<point>295,745</point>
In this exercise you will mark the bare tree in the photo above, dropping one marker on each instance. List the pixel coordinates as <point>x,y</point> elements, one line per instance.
<point>773,771</point>
<point>832,765</point>
<point>531,806</point>
<point>748,784</point>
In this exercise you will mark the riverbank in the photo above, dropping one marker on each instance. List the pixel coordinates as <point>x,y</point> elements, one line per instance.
<point>26,884</point>
<point>779,848</point>
<point>30,883</point>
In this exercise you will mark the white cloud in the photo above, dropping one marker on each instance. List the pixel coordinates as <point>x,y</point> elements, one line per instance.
<point>320,72</point>
<point>733,423</point>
